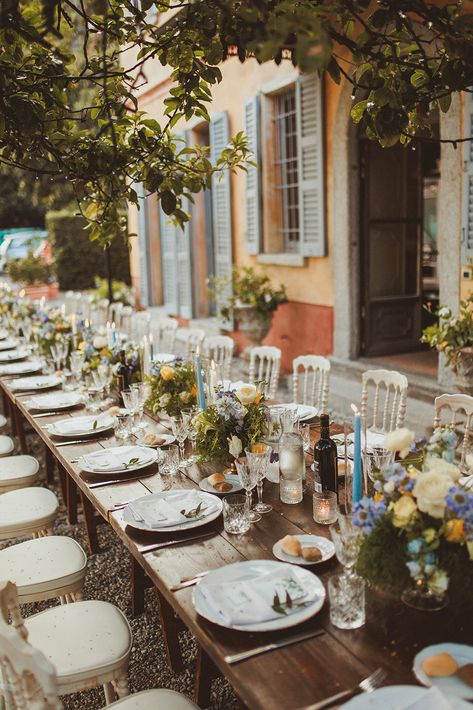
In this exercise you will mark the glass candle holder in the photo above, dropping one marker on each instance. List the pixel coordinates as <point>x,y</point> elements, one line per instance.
<point>325,510</point>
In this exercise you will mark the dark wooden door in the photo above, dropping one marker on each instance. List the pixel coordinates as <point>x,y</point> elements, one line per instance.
<point>391,248</point>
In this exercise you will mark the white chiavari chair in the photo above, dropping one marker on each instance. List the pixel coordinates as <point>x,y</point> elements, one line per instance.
<point>18,472</point>
<point>460,407</point>
<point>85,307</point>
<point>126,318</point>
<point>310,381</point>
<point>220,349</point>
<point>389,400</point>
<point>72,301</point>
<point>140,324</point>
<point>99,312</point>
<point>188,340</point>
<point>27,511</point>
<point>114,313</point>
<point>164,332</point>
<point>34,680</point>
<point>265,364</point>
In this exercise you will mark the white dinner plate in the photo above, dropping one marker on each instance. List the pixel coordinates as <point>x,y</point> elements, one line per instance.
<point>145,458</point>
<point>8,344</point>
<point>14,355</point>
<point>373,438</point>
<point>251,569</point>
<point>326,547</point>
<point>168,439</point>
<point>36,382</point>
<point>142,525</point>
<point>232,478</point>
<point>83,426</point>
<point>451,685</point>
<point>304,411</point>
<point>55,401</point>
<point>3,333</point>
<point>393,697</point>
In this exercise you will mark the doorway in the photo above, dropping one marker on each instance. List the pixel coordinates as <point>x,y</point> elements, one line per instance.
<point>398,254</point>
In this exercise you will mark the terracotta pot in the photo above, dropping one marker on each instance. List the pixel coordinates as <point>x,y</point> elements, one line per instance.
<point>252,324</point>
<point>38,291</point>
<point>463,369</point>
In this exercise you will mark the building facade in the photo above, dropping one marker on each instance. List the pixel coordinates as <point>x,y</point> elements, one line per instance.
<point>362,237</point>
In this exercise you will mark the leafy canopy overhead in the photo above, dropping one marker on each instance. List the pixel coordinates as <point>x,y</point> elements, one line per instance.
<point>69,70</point>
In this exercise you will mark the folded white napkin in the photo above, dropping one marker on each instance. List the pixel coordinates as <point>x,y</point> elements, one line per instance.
<point>79,425</point>
<point>432,700</point>
<point>165,512</point>
<point>54,400</point>
<point>251,601</point>
<point>115,459</point>
<point>19,367</point>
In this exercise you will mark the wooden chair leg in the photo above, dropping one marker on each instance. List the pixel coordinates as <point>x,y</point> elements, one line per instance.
<point>71,499</point>
<point>20,430</point>
<point>62,481</point>
<point>90,523</point>
<point>139,582</point>
<point>205,672</point>
<point>170,626</point>
<point>6,405</point>
<point>50,462</point>
<point>11,409</point>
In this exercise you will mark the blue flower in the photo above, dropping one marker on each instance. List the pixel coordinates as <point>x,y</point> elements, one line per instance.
<point>459,502</point>
<point>367,513</point>
<point>429,558</point>
<point>414,547</point>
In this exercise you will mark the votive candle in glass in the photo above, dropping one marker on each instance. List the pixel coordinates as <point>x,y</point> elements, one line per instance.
<point>325,507</point>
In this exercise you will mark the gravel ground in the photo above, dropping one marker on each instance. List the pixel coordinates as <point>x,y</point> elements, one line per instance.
<point>108,578</point>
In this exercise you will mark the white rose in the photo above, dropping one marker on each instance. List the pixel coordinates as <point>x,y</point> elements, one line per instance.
<point>441,466</point>
<point>246,394</point>
<point>399,440</point>
<point>99,342</point>
<point>164,399</point>
<point>430,490</point>
<point>235,447</point>
<point>438,582</point>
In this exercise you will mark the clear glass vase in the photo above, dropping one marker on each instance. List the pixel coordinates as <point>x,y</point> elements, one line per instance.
<point>420,597</point>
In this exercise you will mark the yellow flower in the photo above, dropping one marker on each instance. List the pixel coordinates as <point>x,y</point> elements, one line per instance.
<point>82,345</point>
<point>455,530</point>
<point>378,496</point>
<point>441,346</point>
<point>403,511</point>
<point>258,397</point>
<point>194,391</point>
<point>167,373</point>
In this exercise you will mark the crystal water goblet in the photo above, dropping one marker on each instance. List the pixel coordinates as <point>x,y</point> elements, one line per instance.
<point>142,394</point>
<point>76,363</point>
<point>346,537</point>
<point>180,428</point>
<point>259,457</point>
<point>122,427</point>
<point>190,413</point>
<point>248,477</point>
<point>377,461</point>
<point>130,401</point>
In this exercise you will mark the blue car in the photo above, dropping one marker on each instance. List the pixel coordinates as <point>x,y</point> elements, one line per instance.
<point>17,244</point>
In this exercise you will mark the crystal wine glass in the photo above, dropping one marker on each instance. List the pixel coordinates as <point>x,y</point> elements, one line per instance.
<point>142,394</point>
<point>180,428</point>
<point>258,458</point>
<point>378,461</point>
<point>130,400</point>
<point>248,476</point>
<point>346,537</point>
<point>190,413</point>
<point>76,363</point>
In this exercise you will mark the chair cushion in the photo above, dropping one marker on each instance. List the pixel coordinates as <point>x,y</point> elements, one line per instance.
<point>15,470</point>
<point>3,421</point>
<point>159,699</point>
<point>46,563</point>
<point>82,640</point>
<point>7,445</point>
<point>27,509</point>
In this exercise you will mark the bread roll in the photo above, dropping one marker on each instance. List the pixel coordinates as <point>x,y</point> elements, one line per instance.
<point>223,487</point>
<point>442,664</point>
<point>311,554</point>
<point>466,674</point>
<point>291,546</point>
<point>216,478</point>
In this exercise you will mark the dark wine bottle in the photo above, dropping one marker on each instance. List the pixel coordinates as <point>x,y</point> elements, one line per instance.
<point>325,455</point>
<point>122,376</point>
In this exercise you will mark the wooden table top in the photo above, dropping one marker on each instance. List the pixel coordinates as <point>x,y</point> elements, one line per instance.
<point>288,678</point>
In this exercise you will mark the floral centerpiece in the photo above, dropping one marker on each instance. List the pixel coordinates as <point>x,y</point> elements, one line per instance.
<point>236,421</point>
<point>172,387</point>
<point>50,327</point>
<point>418,527</point>
<point>97,351</point>
<point>122,293</point>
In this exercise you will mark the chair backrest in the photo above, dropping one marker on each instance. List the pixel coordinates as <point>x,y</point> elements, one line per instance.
<point>457,404</point>
<point>85,306</point>
<point>265,363</point>
<point>140,325</point>
<point>99,312</point>
<point>114,313</point>
<point>72,302</point>
<point>220,349</point>
<point>164,335</point>
<point>310,380</point>
<point>188,340</point>
<point>126,319</point>
<point>389,402</point>
<point>28,677</point>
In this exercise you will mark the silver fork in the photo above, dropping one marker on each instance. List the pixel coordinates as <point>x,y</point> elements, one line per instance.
<point>367,685</point>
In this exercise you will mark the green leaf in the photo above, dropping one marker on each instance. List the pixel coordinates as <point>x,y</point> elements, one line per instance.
<point>445,102</point>
<point>358,110</point>
<point>168,202</point>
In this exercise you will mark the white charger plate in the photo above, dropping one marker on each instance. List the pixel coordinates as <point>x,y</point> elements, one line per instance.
<point>148,457</point>
<point>169,439</point>
<point>304,411</point>
<point>451,685</point>
<point>141,525</point>
<point>251,569</point>
<point>232,478</point>
<point>393,697</point>
<point>326,547</point>
<point>37,382</point>
<point>107,422</point>
<point>14,355</point>
<point>8,344</point>
<point>3,333</point>
<point>57,400</point>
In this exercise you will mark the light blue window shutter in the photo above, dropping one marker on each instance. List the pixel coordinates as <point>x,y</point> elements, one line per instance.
<point>252,177</point>
<point>183,251</point>
<point>467,226</point>
<point>221,206</point>
<point>310,165</point>
<point>143,243</point>
<point>168,233</point>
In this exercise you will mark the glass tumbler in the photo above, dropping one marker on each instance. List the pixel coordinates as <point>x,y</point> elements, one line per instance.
<point>122,426</point>
<point>291,467</point>
<point>347,601</point>
<point>169,464</point>
<point>236,518</point>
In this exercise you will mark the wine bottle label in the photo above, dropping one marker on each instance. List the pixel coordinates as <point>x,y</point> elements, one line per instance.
<point>317,487</point>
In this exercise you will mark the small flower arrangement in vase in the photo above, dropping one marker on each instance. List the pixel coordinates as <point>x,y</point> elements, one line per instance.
<point>236,421</point>
<point>172,387</point>
<point>418,528</point>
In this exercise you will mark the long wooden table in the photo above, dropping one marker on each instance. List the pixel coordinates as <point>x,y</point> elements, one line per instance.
<point>285,679</point>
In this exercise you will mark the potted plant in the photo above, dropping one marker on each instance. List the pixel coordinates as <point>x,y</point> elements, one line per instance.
<point>252,301</point>
<point>453,336</point>
<point>36,276</point>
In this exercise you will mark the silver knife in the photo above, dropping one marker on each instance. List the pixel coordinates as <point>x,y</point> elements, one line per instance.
<point>76,441</point>
<point>46,414</point>
<point>237,657</point>
<point>100,484</point>
<point>159,545</point>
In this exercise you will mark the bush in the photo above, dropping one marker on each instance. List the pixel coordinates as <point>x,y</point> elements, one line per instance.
<point>30,270</point>
<point>78,260</point>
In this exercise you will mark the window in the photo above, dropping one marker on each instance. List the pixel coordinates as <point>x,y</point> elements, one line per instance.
<point>286,168</point>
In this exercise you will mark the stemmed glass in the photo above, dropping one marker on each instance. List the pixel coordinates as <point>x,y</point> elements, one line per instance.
<point>180,429</point>
<point>258,459</point>
<point>378,460</point>
<point>346,537</point>
<point>59,353</point>
<point>142,393</point>
<point>130,400</point>
<point>248,476</point>
<point>76,363</point>
<point>190,414</point>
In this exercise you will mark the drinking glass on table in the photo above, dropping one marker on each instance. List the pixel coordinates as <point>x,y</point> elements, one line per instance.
<point>347,601</point>
<point>305,431</point>
<point>68,381</point>
<point>235,514</point>
<point>94,399</point>
<point>122,426</point>
<point>190,413</point>
<point>76,363</point>
<point>130,400</point>
<point>169,464</point>
<point>258,457</point>
<point>180,428</point>
<point>291,467</point>
<point>248,476</point>
<point>142,393</point>
<point>378,461</point>
<point>346,537</point>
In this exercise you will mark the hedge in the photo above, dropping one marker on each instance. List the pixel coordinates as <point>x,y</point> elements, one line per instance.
<point>77,259</point>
